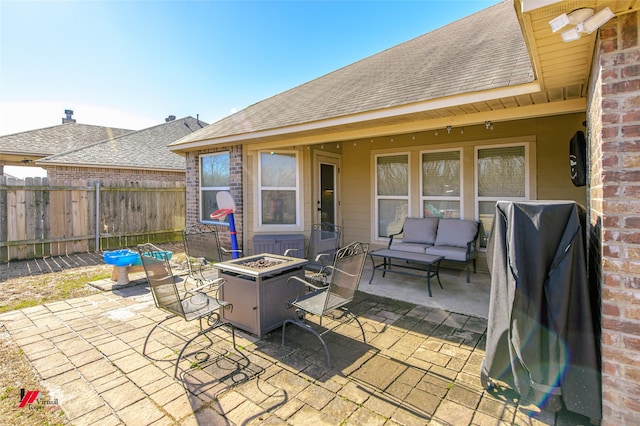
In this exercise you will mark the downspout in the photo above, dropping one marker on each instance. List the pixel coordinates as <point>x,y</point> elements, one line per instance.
<point>97,216</point>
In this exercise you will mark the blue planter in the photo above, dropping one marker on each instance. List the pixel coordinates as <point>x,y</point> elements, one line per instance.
<point>131,258</point>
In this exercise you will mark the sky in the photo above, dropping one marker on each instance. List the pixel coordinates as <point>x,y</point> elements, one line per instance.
<point>131,64</point>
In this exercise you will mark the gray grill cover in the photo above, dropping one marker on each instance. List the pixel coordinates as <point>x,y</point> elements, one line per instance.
<point>543,330</point>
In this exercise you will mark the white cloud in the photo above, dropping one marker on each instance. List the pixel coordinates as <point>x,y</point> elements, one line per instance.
<point>20,116</point>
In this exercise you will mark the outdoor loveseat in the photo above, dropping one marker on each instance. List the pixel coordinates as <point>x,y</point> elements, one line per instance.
<point>455,239</point>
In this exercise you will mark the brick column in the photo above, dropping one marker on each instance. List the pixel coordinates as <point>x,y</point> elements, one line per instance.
<point>614,207</point>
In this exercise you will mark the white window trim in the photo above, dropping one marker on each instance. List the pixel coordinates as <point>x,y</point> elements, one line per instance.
<point>209,188</point>
<point>376,197</point>
<point>298,226</point>
<point>460,198</point>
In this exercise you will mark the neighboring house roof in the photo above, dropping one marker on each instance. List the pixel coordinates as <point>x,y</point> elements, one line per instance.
<point>143,149</point>
<point>56,139</point>
<point>480,52</point>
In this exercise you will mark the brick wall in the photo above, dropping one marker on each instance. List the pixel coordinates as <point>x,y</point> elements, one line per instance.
<point>614,200</point>
<point>235,188</point>
<point>58,175</point>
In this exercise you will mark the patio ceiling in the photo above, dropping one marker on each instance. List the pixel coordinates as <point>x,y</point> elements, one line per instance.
<point>562,68</point>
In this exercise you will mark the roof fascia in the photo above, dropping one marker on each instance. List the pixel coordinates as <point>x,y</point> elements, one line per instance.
<point>526,28</point>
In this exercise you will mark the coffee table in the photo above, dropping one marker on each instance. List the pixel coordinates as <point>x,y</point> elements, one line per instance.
<point>408,258</point>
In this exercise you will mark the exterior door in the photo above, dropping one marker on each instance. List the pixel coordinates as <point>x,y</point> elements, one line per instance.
<point>327,197</point>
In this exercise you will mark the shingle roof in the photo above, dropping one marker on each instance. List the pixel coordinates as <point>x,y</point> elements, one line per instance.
<point>483,51</point>
<point>144,149</point>
<point>56,139</point>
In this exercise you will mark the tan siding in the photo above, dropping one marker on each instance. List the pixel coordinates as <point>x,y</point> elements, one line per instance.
<point>553,135</point>
<point>356,193</point>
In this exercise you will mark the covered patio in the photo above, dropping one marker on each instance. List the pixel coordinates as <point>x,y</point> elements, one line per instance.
<point>420,364</point>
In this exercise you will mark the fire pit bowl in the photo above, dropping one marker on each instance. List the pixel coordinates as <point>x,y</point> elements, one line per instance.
<point>262,262</point>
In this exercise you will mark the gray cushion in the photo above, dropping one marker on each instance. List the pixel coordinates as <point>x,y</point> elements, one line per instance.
<point>421,231</point>
<point>450,253</point>
<point>412,247</point>
<point>455,232</point>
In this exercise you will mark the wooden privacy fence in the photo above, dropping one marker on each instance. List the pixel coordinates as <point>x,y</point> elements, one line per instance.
<point>39,220</point>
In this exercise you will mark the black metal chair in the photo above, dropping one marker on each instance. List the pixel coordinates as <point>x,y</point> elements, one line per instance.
<point>202,249</point>
<point>198,302</point>
<point>322,301</point>
<point>324,240</point>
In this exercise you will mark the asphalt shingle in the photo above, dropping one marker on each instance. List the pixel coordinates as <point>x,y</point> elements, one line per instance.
<point>56,139</point>
<point>147,148</point>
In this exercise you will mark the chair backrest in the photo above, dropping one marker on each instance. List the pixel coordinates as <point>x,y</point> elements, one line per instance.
<point>162,283</point>
<point>345,274</point>
<point>324,239</point>
<point>201,241</point>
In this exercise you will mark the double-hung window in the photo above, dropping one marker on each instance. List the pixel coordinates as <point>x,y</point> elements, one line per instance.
<point>278,189</point>
<point>441,179</point>
<point>214,177</point>
<point>392,193</point>
<point>502,174</point>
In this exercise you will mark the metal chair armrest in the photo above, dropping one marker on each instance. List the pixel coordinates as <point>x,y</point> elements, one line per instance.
<point>340,270</point>
<point>305,282</point>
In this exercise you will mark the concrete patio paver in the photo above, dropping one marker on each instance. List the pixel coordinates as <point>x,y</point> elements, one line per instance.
<point>420,365</point>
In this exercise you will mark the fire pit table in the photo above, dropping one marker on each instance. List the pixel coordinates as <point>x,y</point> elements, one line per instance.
<point>258,289</point>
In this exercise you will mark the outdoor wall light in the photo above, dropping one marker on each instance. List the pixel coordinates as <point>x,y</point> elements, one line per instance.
<point>584,21</point>
<point>488,125</point>
<point>449,129</point>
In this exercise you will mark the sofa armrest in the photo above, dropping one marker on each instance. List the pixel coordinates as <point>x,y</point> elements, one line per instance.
<point>391,238</point>
<point>471,245</point>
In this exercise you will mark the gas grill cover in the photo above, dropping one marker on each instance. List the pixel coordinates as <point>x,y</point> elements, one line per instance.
<point>543,330</point>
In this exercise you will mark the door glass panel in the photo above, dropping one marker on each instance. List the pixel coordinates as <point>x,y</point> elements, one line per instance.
<point>327,193</point>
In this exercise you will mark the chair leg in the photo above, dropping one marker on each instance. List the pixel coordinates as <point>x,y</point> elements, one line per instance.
<point>144,347</point>
<point>200,333</point>
<point>352,315</point>
<point>308,328</point>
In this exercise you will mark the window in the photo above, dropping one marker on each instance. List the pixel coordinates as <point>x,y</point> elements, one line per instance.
<point>392,193</point>
<point>441,179</point>
<point>214,177</point>
<point>278,188</point>
<point>502,174</point>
